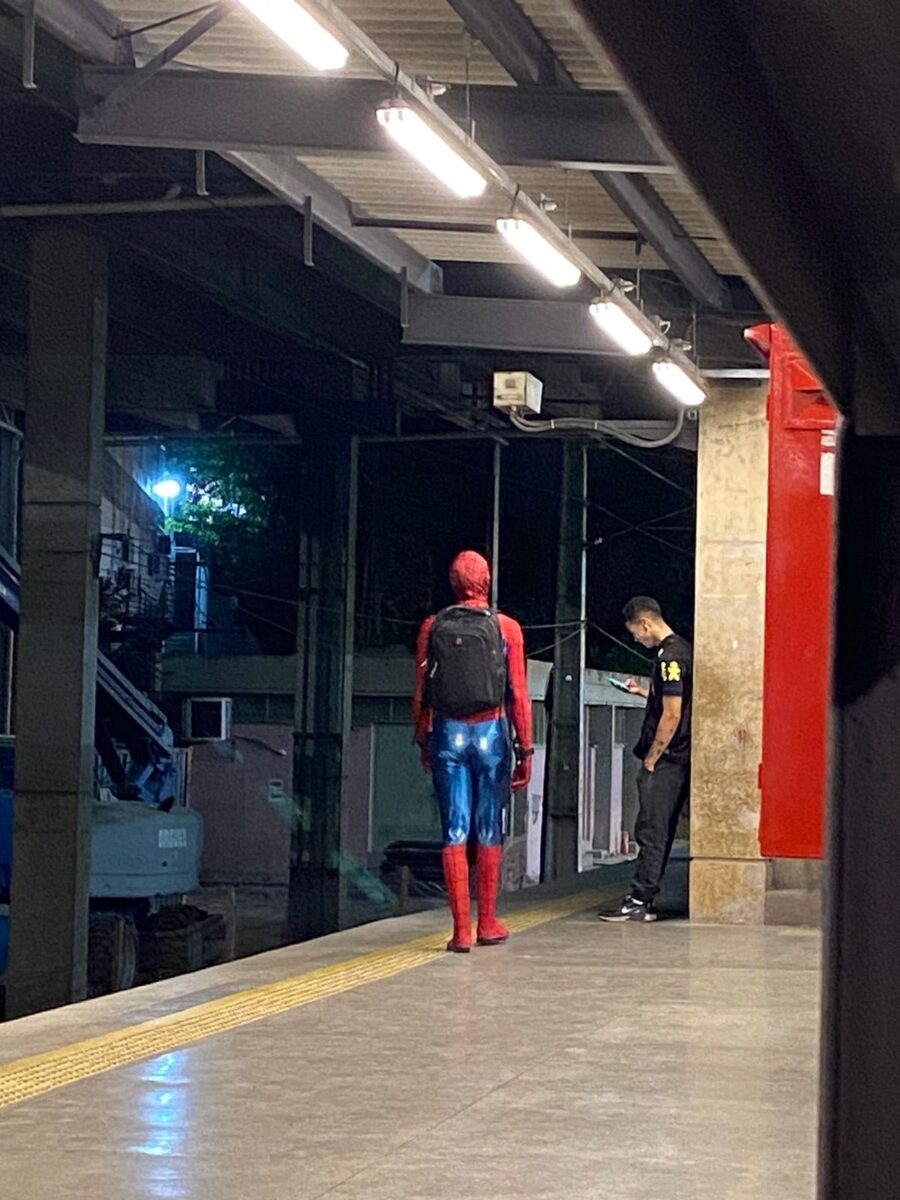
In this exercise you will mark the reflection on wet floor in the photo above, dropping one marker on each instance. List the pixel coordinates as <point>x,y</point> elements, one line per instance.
<point>665,1063</point>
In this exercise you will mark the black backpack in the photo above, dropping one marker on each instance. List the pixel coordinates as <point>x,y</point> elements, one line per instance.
<point>466,671</point>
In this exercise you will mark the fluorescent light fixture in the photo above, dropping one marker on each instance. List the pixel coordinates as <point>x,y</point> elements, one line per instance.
<point>167,489</point>
<point>301,32</point>
<point>420,141</point>
<point>538,253</point>
<point>620,328</point>
<point>678,383</point>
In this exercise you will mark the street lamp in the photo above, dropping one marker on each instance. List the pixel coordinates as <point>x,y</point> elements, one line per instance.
<point>167,490</point>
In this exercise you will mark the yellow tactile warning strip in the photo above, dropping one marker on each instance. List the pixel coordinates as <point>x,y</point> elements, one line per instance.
<point>27,1078</point>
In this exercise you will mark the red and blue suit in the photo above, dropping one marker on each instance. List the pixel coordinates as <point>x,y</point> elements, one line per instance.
<point>469,760</point>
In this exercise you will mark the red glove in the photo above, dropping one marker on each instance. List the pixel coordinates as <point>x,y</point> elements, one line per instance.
<point>425,754</point>
<point>521,776</point>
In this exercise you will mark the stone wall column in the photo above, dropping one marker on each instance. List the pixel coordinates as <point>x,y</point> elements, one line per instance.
<point>57,655</point>
<point>728,876</point>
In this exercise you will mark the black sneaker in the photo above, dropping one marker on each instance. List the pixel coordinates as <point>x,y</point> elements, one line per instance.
<point>631,909</point>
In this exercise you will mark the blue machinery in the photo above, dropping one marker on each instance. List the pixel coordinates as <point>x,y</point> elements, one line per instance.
<point>145,845</point>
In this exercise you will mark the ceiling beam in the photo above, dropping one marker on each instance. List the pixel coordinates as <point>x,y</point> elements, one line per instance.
<point>488,323</point>
<point>559,327</point>
<point>741,159</point>
<point>527,56</point>
<point>654,220</point>
<point>808,203</point>
<point>292,182</point>
<point>91,30</point>
<point>288,114</point>
<point>277,172</point>
<point>507,33</point>
<point>521,49</point>
<point>83,25</point>
<point>411,91</point>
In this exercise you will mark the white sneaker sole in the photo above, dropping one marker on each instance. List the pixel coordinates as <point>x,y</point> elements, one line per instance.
<point>647,919</point>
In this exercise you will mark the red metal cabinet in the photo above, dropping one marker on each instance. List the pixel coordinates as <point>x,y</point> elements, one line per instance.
<point>802,426</point>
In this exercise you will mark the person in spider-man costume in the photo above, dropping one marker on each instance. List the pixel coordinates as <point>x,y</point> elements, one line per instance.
<point>469,759</point>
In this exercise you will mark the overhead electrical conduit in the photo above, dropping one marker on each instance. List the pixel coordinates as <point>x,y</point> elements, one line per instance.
<point>599,429</point>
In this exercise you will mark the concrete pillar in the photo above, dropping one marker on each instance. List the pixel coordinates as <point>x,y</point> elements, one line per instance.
<point>10,455</point>
<point>10,462</point>
<point>323,694</point>
<point>859,1149</point>
<point>57,663</point>
<point>728,877</point>
<point>565,767</point>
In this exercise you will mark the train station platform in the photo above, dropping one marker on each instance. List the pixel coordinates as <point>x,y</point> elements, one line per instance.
<point>581,1060</point>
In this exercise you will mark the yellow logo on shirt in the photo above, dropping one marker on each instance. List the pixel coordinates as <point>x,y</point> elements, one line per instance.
<point>671,672</point>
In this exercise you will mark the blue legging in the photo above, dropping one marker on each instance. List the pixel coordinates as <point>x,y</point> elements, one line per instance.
<point>470,767</point>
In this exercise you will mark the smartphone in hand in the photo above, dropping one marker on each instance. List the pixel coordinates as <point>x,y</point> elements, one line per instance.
<point>617,683</point>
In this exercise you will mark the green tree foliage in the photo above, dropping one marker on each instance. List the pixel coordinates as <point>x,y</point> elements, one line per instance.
<point>241,504</point>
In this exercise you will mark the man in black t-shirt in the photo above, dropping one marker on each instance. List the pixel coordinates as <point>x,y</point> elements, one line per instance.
<point>664,749</point>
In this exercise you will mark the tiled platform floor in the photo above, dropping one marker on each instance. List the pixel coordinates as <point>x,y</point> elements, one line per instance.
<point>670,1062</point>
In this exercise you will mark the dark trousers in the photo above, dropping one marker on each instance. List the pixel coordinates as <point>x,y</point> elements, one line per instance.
<point>662,794</point>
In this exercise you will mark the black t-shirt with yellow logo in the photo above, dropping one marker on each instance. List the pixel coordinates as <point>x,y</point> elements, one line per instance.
<point>673,675</point>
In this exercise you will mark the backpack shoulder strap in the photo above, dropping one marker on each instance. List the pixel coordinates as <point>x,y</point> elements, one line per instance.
<point>445,612</point>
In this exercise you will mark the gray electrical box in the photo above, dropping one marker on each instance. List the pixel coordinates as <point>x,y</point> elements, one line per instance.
<point>517,389</point>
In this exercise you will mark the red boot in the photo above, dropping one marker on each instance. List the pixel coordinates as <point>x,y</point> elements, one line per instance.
<point>456,872</point>
<point>491,932</point>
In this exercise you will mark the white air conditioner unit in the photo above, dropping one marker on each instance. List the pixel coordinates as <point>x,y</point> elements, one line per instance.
<point>517,389</point>
<point>207,719</point>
